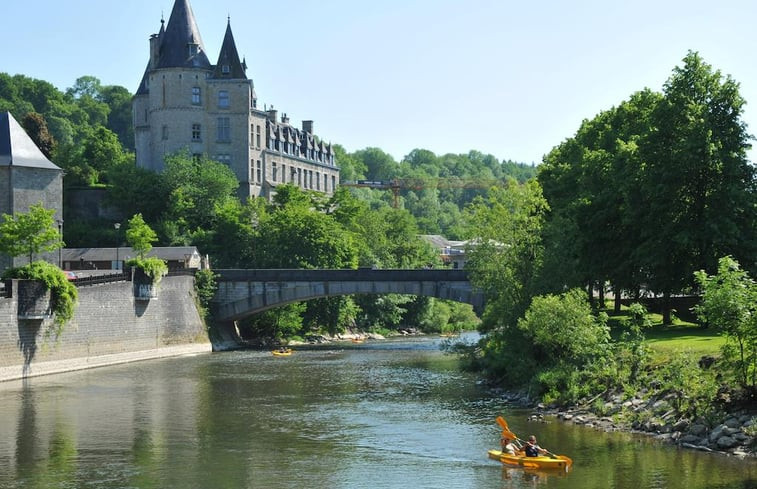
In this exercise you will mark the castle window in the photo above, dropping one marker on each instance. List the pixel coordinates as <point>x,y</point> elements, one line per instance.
<point>164,132</point>
<point>223,99</point>
<point>196,100</point>
<point>274,171</point>
<point>259,174</point>
<point>196,132</point>
<point>283,174</point>
<point>224,129</point>
<point>225,159</point>
<point>225,69</point>
<point>257,140</point>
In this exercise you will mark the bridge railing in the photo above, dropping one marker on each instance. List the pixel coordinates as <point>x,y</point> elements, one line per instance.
<point>344,275</point>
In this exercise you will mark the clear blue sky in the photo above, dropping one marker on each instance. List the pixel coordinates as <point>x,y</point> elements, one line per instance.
<point>512,79</point>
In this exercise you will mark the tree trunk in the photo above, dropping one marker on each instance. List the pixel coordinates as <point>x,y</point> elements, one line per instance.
<point>666,308</point>
<point>618,293</point>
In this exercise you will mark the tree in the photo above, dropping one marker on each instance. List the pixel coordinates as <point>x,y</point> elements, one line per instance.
<point>729,303</point>
<point>195,189</point>
<point>698,187</point>
<point>29,233</point>
<point>36,127</point>
<point>140,236</point>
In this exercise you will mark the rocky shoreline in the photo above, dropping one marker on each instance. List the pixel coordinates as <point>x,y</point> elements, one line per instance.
<point>732,435</point>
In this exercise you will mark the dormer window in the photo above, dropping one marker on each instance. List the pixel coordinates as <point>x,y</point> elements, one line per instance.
<point>193,48</point>
<point>225,69</point>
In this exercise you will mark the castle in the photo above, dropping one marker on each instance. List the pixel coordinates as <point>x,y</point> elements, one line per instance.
<point>184,103</point>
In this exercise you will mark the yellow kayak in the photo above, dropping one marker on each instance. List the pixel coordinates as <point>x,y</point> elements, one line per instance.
<point>282,353</point>
<point>557,462</point>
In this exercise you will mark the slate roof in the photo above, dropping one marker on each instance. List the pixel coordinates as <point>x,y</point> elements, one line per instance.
<point>17,148</point>
<point>182,31</point>
<point>229,57</point>
<point>176,253</point>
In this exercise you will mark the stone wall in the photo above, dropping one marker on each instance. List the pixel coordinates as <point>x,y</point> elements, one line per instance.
<point>109,327</point>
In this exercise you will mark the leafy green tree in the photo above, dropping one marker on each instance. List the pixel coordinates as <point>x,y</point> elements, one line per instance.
<point>698,186</point>
<point>29,233</point>
<point>506,250</point>
<point>36,127</point>
<point>379,165</point>
<point>101,153</point>
<point>140,236</point>
<point>565,338</point>
<point>729,303</point>
<point>195,189</point>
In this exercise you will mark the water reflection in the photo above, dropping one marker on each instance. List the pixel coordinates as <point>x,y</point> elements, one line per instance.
<point>383,415</point>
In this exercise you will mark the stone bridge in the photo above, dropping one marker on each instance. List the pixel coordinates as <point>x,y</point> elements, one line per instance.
<point>242,293</point>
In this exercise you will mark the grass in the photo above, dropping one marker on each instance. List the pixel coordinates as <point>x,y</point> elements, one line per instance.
<point>681,336</point>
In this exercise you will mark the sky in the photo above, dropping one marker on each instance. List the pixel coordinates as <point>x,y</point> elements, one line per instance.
<point>511,79</point>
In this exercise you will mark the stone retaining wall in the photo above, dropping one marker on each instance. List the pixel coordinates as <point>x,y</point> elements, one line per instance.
<point>109,327</point>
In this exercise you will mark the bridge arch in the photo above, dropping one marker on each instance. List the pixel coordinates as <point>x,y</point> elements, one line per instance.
<point>242,293</point>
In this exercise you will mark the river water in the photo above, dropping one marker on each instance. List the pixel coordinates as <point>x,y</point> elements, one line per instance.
<point>389,414</point>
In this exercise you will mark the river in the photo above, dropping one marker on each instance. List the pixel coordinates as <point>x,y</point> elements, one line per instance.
<point>382,414</point>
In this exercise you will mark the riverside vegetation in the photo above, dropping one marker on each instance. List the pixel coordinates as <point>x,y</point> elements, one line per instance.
<point>641,198</point>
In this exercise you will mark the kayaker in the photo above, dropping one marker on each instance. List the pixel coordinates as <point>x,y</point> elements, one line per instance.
<point>532,449</point>
<point>508,446</point>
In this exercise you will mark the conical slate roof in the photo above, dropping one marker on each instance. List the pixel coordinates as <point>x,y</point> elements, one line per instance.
<point>228,65</point>
<point>181,45</point>
<point>17,148</point>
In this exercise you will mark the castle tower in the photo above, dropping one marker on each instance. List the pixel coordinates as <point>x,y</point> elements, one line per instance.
<point>184,103</point>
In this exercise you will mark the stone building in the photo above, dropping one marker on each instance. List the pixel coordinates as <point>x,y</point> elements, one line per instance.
<point>186,103</point>
<point>27,178</point>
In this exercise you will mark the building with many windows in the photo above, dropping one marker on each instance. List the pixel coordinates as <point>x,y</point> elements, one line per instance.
<point>185,103</point>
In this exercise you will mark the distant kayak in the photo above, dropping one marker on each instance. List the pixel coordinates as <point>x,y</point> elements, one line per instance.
<point>284,352</point>
<point>544,462</point>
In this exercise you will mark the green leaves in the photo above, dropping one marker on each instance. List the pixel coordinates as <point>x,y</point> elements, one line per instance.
<point>729,303</point>
<point>140,236</point>
<point>30,233</point>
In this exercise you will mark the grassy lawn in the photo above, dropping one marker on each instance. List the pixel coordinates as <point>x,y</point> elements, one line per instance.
<point>681,336</point>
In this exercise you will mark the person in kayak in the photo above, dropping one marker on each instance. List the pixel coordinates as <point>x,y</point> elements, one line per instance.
<point>532,449</point>
<point>508,446</point>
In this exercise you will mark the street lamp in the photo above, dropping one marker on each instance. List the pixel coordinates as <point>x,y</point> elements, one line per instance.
<point>117,226</point>
<point>60,249</point>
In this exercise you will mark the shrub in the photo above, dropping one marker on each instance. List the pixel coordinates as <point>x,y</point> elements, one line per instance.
<point>154,267</point>
<point>63,293</point>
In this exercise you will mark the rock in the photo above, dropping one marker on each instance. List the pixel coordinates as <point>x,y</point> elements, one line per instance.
<point>732,423</point>
<point>727,442</point>
<point>689,439</point>
<point>698,429</point>
<point>681,425</point>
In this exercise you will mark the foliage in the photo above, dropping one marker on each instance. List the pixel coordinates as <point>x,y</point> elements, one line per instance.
<point>62,292</point>
<point>29,233</point>
<point>140,236</point>
<point>153,267</point>
<point>729,303</point>
<point>205,286</point>
<point>196,188</point>
<point>563,329</point>
<point>507,250</point>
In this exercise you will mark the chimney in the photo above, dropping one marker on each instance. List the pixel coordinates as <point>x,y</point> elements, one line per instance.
<point>307,126</point>
<point>284,118</point>
<point>154,50</point>
<point>272,114</point>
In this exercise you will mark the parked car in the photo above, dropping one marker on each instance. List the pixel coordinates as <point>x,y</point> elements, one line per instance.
<point>70,275</point>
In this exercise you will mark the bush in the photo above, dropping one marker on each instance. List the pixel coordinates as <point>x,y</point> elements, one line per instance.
<point>63,293</point>
<point>154,267</point>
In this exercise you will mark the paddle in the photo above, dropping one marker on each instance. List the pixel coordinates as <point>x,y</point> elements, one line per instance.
<point>506,432</point>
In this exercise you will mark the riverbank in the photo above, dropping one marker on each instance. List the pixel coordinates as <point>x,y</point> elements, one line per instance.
<point>731,434</point>
<point>109,326</point>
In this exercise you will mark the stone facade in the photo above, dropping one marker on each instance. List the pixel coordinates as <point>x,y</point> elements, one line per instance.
<point>27,178</point>
<point>184,103</point>
<point>109,327</point>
